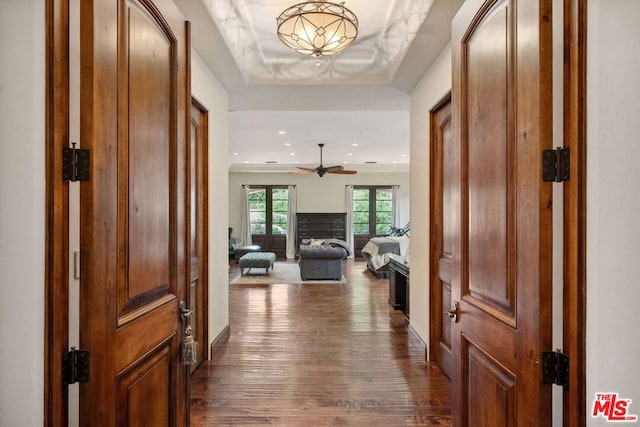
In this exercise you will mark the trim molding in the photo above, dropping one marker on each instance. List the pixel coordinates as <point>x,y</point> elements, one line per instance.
<point>219,341</point>
<point>415,339</point>
<point>575,196</point>
<point>56,281</point>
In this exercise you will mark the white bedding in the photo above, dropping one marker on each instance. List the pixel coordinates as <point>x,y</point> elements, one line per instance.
<point>377,260</point>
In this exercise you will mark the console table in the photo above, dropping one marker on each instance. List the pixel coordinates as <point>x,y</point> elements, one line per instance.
<point>399,283</point>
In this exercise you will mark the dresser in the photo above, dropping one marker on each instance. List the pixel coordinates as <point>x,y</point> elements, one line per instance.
<point>320,225</point>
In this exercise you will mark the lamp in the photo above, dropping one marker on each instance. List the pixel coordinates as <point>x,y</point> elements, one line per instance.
<point>317,28</point>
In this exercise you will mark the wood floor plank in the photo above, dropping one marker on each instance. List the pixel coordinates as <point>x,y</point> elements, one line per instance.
<point>318,355</point>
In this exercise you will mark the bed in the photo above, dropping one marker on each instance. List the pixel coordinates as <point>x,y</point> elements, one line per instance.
<point>376,253</point>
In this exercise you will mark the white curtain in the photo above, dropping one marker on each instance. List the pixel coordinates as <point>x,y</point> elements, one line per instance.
<point>348,203</point>
<point>395,206</point>
<point>291,222</point>
<point>245,220</point>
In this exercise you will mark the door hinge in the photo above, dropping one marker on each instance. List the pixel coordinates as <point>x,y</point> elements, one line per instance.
<point>75,163</point>
<point>75,366</point>
<point>555,368</point>
<point>556,165</point>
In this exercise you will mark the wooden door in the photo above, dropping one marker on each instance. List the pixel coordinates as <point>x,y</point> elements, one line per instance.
<point>501,212</point>
<point>441,256</point>
<point>134,119</point>
<point>198,225</point>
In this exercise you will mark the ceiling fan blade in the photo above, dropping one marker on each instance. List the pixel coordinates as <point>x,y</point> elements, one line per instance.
<point>321,170</point>
<point>343,172</point>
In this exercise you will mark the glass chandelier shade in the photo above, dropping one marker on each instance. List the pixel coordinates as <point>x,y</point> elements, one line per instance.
<point>317,28</point>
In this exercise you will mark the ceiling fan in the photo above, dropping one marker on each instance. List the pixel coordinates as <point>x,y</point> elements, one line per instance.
<point>321,170</point>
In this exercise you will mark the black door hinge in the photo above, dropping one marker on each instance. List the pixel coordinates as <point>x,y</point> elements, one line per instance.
<point>555,368</point>
<point>75,366</point>
<point>556,165</point>
<point>75,163</point>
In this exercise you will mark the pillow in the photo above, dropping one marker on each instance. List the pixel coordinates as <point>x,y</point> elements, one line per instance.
<point>317,242</point>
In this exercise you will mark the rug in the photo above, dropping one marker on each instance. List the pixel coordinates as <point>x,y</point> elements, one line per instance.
<point>283,272</point>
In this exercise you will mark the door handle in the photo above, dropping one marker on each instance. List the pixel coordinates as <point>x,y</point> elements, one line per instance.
<point>185,313</point>
<point>189,344</point>
<point>453,313</point>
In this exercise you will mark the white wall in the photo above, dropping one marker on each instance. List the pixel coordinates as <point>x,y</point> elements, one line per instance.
<point>206,88</point>
<point>315,194</point>
<point>613,201</point>
<point>433,86</point>
<point>22,212</point>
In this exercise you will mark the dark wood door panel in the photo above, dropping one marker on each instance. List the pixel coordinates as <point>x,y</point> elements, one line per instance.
<point>196,178</point>
<point>145,143</point>
<point>358,244</point>
<point>491,396</point>
<point>276,244</point>
<point>486,142</point>
<point>448,156</point>
<point>444,159</point>
<point>147,384</point>
<point>198,226</point>
<point>133,224</point>
<point>501,212</point>
<point>259,240</point>
<point>198,317</point>
<point>444,355</point>
<point>279,245</point>
<point>133,340</point>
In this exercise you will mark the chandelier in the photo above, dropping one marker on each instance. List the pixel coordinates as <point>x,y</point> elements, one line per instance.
<point>317,28</point>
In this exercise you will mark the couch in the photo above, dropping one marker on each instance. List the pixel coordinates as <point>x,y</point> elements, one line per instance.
<point>321,262</point>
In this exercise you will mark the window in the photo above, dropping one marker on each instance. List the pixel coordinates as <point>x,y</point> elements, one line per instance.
<point>279,210</point>
<point>268,210</point>
<point>258,210</point>
<point>372,210</point>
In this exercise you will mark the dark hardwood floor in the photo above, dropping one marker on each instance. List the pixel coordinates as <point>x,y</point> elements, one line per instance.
<point>318,355</point>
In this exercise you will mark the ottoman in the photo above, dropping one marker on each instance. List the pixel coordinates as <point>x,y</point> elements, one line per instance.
<point>257,260</point>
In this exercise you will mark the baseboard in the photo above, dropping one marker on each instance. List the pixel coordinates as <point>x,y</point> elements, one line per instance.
<point>415,339</point>
<point>220,340</point>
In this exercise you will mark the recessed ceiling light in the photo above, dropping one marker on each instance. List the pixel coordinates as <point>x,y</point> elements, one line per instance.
<point>354,144</point>
<point>246,161</point>
<point>281,132</point>
<point>404,155</point>
<point>235,154</point>
<point>349,154</point>
<point>395,162</point>
<point>293,154</point>
<point>288,144</point>
<point>346,162</point>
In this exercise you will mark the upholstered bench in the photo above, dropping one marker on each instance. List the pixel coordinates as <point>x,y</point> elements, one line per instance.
<point>257,260</point>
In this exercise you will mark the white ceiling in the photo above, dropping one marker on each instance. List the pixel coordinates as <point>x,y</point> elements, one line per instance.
<point>359,96</point>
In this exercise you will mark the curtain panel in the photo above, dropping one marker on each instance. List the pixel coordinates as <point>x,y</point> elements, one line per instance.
<point>245,220</point>
<point>291,222</point>
<point>348,204</point>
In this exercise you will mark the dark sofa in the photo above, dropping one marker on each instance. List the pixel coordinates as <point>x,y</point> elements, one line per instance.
<point>321,262</point>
